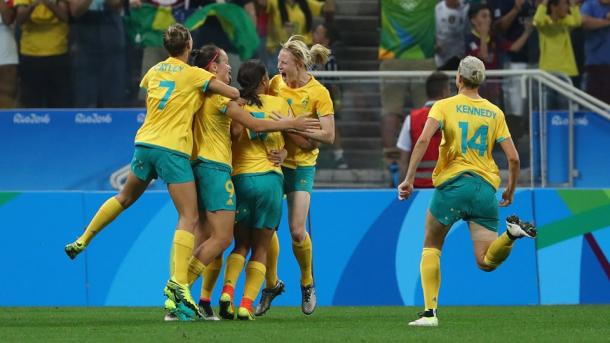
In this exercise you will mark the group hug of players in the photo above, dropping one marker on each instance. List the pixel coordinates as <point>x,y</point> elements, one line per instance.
<point>229,156</point>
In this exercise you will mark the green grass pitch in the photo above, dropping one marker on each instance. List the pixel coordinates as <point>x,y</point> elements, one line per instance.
<point>328,324</point>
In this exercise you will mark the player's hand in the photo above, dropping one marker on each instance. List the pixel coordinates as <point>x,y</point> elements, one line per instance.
<point>405,189</point>
<point>277,157</point>
<point>241,102</point>
<point>507,197</point>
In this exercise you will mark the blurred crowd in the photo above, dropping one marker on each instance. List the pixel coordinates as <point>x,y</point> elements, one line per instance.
<point>92,53</point>
<point>567,37</point>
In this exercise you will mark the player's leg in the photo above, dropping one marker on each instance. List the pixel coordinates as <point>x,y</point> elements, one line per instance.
<point>235,264</point>
<point>184,197</point>
<point>255,271</point>
<point>110,209</point>
<point>274,286</point>
<point>430,269</point>
<point>298,209</point>
<point>209,275</point>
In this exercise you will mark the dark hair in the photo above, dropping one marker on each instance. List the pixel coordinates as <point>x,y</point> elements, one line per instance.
<point>332,32</point>
<point>203,57</point>
<point>176,39</point>
<point>249,76</point>
<point>436,84</point>
<point>551,3</point>
<point>304,7</point>
<point>475,9</point>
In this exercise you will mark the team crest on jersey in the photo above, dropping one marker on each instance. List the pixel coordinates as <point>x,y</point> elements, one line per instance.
<point>305,101</point>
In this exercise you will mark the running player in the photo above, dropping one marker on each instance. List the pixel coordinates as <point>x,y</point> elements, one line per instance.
<point>259,188</point>
<point>306,97</point>
<point>162,149</point>
<point>466,179</point>
<point>212,168</point>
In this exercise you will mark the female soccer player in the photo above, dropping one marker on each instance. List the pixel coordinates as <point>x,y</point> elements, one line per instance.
<point>259,188</point>
<point>213,166</point>
<point>306,97</point>
<point>466,179</point>
<point>162,149</point>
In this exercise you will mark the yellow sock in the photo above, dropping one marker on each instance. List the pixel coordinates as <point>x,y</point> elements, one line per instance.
<point>430,270</point>
<point>302,251</point>
<point>499,250</point>
<point>171,261</point>
<point>183,244</point>
<point>196,268</point>
<point>255,275</point>
<point>273,253</point>
<point>235,264</point>
<point>210,276</point>
<point>104,216</point>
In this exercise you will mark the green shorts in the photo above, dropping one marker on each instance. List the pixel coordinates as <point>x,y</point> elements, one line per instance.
<point>468,197</point>
<point>215,191</point>
<point>151,162</point>
<point>259,200</point>
<point>299,179</point>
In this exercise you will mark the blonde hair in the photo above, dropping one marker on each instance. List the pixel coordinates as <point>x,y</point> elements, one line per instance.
<point>318,54</point>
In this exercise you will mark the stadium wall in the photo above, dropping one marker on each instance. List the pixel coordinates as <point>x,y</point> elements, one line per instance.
<point>80,149</point>
<point>366,251</point>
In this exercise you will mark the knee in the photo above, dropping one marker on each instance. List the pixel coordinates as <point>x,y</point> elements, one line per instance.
<point>224,242</point>
<point>298,234</point>
<point>259,254</point>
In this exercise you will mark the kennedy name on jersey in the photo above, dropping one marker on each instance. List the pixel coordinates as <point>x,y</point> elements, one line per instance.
<point>481,112</point>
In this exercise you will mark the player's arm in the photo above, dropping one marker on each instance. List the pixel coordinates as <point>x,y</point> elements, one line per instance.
<point>513,171</point>
<point>235,112</point>
<point>302,142</point>
<point>236,130</point>
<point>326,133</point>
<point>223,89</point>
<point>406,187</point>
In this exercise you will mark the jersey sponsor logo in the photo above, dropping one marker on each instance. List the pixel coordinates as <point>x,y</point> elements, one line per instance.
<point>93,118</point>
<point>32,119</point>
<point>475,111</point>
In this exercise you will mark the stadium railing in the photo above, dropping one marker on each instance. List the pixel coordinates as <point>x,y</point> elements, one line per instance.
<point>537,88</point>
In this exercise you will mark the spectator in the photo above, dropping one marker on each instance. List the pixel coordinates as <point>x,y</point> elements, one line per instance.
<point>512,18</point>
<point>8,56</point>
<point>482,43</point>
<point>437,88</point>
<point>327,35</point>
<point>596,21</point>
<point>291,17</point>
<point>407,43</point>
<point>450,30</point>
<point>98,53</point>
<point>44,66</point>
<point>554,20</point>
<point>212,32</point>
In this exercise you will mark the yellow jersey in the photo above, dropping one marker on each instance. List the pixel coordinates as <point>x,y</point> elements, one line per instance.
<point>174,94</point>
<point>212,130</point>
<point>278,34</point>
<point>312,100</point>
<point>470,129</point>
<point>250,150</point>
<point>43,34</point>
